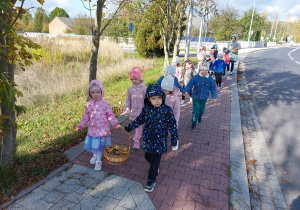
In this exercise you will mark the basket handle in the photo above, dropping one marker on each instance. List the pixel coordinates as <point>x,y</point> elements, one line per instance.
<point>129,137</point>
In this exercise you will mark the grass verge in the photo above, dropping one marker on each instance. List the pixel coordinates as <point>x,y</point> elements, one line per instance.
<point>49,128</point>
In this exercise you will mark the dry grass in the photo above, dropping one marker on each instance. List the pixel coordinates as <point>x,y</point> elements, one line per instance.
<point>65,68</point>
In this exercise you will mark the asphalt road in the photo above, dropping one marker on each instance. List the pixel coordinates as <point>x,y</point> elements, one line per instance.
<point>273,78</point>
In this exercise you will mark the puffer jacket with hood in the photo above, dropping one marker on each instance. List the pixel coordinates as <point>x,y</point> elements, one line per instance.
<point>233,56</point>
<point>135,100</point>
<point>98,114</point>
<point>158,121</point>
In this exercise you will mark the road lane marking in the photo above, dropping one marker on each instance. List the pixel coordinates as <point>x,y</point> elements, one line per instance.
<point>289,54</point>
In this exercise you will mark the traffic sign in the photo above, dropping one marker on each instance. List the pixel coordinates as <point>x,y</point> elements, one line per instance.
<point>130,27</point>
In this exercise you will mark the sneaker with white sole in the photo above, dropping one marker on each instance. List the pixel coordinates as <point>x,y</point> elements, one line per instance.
<point>93,160</point>
<point>98,166</point>
<point>150,186</point>
<point>182,102</point>
<point>176,147</point>
<point>230,73</point>
<point>136,145</point>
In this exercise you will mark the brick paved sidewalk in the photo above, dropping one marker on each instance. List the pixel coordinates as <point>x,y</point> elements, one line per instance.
<point>197,175</point>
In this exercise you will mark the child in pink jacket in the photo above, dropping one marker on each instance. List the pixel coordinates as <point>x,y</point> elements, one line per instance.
<point>98,114</point>
<point>178,73</point>
<point>172,99</point>
<point>135,101</point>
<point>201,55</point>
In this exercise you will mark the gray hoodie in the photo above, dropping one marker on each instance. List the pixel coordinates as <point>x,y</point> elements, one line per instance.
<point>233,56</point>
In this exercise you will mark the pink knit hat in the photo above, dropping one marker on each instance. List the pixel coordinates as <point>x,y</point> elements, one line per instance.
<point>136,73</point>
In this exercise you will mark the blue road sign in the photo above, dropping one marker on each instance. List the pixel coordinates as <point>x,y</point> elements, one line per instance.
<point>130,27</point>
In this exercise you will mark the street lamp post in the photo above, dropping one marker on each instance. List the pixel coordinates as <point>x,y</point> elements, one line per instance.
<point>251,23</point>
<point>188,37</point>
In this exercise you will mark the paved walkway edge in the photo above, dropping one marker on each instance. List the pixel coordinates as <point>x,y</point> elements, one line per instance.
<point>239,192</point>
<point>71,154</point>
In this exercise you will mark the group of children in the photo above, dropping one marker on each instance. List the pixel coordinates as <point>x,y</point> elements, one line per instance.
<point>157,106</point>
<point>218,62</point>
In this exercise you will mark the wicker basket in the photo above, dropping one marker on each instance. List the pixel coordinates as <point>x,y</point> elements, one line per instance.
<point>116,159</point>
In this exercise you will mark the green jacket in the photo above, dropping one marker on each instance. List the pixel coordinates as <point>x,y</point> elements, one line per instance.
<point>233,44</point>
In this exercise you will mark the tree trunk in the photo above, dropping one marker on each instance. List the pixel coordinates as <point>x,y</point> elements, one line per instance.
<point>178,36</point>
<point>166,51</point>
<point>96,40</point>
<point>8,148</point>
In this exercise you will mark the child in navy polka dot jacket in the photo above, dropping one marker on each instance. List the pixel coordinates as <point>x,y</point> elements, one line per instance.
<point>158,119</point>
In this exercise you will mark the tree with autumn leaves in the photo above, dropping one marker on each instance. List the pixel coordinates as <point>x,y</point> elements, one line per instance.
<point>13,51</point>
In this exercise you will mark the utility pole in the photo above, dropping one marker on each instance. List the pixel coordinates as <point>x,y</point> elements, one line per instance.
<point>274,37</point>
<point>200,34</point>
<point>188,38</point>
<point>271,29</point>
<point>206,29</point>
<point>251,23</point>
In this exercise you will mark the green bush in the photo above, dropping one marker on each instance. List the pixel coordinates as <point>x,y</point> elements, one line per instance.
<point>148,41</point>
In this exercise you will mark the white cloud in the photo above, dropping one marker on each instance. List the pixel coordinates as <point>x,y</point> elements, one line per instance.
<point>295,10</point>
<point>272,9</point>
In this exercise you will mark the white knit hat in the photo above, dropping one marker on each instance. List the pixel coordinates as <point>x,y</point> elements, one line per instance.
<point>171,70</point>
<point>175,60</point>
<point>167,83</point>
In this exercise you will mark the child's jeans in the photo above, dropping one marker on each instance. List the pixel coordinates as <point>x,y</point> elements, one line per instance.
<point>198,109</point>
<point>154,160</point>
<point>138,134</point>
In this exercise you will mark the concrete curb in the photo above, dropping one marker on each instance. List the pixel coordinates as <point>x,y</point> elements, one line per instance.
<point>240,197</point>
<point>71,154</point>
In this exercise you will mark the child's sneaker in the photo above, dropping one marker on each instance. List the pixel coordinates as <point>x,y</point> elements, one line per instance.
<point>220,86</point>
<point>193,127</point>
<point>176,147</point>
<point>199,120</point>
<point>182,102</point>
<point>93,159</point>
<point>230,73</point>
<point>150,186</point>
<point>98,166</point>
<point>136,145</point>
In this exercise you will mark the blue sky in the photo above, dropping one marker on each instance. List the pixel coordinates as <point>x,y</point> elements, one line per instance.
<point>291,7</point>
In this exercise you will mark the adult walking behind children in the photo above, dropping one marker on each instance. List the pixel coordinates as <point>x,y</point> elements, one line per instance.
<point>135,101</point>
<point>233,54</point>
<point>203,84</point>
<point>158,119</point>
<point>98,114</point>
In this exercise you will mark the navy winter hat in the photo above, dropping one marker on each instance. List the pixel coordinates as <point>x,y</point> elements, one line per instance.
<point>154,90</point>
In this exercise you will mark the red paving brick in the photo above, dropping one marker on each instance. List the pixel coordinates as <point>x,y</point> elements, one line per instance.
<point>195,176</point>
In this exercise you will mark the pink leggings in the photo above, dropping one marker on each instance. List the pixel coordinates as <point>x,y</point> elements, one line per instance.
<point>138,134</point>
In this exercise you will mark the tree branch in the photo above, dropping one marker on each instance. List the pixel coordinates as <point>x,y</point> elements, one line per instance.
<point>112,17</point>
<point>19,13</point>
